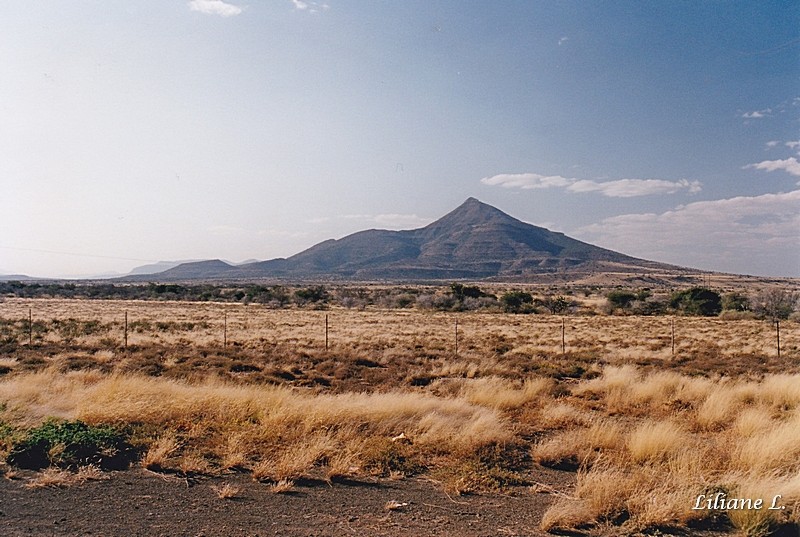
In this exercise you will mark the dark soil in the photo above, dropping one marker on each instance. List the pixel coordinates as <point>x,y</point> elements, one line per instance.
<point>141,503</point>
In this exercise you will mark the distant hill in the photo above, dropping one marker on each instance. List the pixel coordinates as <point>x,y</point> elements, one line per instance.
<point>474,241</point>
<point>16,278</point>
<point>155,268</point>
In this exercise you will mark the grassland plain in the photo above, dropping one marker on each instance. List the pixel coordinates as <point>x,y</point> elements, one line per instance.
<point>635,432</point>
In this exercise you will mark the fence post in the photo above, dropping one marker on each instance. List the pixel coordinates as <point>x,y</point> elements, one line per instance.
<point>326,331</point>
<point>456,336</point>
<point>673,336</point>
<point>563,337</point>
<point>30,327</point>
<point>778,335</point>
<point>126,329</point>
<point>225,331</point>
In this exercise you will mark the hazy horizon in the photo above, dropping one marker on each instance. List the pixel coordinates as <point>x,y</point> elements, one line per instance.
<point>157,131</point>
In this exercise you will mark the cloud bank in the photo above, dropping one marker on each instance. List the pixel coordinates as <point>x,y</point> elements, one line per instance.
<point>747,234</point>
<point>621,188</point>
<point>215,7</point>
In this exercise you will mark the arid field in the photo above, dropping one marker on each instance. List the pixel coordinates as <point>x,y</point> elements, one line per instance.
<point>643,416</point>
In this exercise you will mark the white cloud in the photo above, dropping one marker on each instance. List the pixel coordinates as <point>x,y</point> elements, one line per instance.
<point>629,188</point>
<point>758,234</point>
<point>563,40</point>
<point>793,144</point>
<point>215,7</point>
<point>526,180</point>
<point>772,143</point>
<point>789,165</point>
<point>311,7</point>
<point>621,188</point>
<point>757,114</point>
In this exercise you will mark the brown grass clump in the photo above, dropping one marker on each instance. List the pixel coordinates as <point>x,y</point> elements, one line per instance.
<point>495,392</point>
<point>394,505</point>
<point>57,477</point>
<point>283,486</point>
<point>578,448</point>
<point>776,448</point>
<point>752,421</point>
<point>722,402</point>
<point>226,491</point>
<point>655,441</point>
<point>160,451</point>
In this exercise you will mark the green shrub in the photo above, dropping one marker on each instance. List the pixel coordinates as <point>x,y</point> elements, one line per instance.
<point>697,301</point>
<point>620,299</point>
<point>516,301</point>
<point>70,444</point>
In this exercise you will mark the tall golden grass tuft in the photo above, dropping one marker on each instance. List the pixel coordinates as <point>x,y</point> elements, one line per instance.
<point>776,448</point>
<point>656,441</point>
<point>723,402</point>
<point>495,392</point>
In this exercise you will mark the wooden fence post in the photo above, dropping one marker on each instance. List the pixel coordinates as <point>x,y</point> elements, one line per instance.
<point>30,327</point>
<point>326,331</point>
<point>673,336</point>
<point>563,337</point>
<point>456,337</point>
<point>126,329</point>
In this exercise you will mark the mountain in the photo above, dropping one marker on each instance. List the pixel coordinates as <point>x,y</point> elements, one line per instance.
<point>474,241</point>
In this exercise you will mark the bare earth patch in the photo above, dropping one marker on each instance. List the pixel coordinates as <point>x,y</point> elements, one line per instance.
<point>141,503</point>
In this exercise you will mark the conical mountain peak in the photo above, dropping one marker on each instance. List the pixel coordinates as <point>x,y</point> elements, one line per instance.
<point>475,240</point>
<point>469,214</point>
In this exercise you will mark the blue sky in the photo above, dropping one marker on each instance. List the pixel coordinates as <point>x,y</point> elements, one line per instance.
<point>158,130</point>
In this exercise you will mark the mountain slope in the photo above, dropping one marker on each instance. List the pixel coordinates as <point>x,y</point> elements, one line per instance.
<point>475,240</point>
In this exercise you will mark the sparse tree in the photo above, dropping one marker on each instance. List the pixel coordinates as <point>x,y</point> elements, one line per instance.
<point>556,304</point>
<point>776,305</point>
<point>735,302</point>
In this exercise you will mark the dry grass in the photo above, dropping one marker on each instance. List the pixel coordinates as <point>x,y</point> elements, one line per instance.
<point>279,432</point>
<point>282,487</point>
<point>486,340</point>
<point>226,491</point>
<point>655,441</point>
<point>684,438</point>
<point>646,431</point>
<point>56,477</point>
<point>157,456</point>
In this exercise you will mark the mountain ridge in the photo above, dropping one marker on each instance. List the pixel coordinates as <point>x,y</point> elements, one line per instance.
<point>473,241</point>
